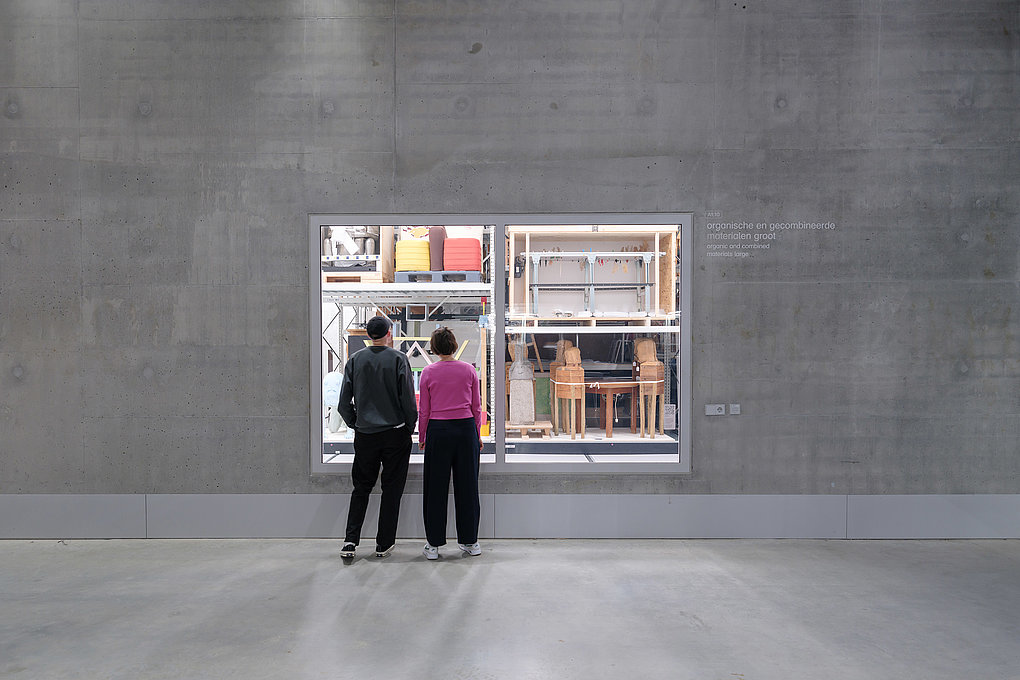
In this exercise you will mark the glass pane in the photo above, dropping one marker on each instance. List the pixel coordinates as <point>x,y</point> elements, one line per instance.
<point>592,343</point>
<point>420,277</point>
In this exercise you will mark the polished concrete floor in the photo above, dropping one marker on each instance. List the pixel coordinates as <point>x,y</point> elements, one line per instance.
<point>549,609</point>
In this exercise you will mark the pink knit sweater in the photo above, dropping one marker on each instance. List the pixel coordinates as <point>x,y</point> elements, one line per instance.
<point>448,390</point>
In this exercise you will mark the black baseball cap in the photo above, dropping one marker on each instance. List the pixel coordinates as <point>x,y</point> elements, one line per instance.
<point>377,327</point>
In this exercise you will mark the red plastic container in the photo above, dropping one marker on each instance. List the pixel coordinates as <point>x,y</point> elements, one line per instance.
<point>462,255</point>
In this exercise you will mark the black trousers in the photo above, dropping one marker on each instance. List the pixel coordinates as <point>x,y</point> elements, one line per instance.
<point>451,446</point>
<point>390,449</point>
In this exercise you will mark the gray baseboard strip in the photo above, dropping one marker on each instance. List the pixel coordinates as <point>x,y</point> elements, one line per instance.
<point>670,516</point>
<point>59,516</point>
<point>934,516</point>
<point>282,516</point>
<point>56,516</point>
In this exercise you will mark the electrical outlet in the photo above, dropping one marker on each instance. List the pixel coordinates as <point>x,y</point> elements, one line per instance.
<point>715,409</point>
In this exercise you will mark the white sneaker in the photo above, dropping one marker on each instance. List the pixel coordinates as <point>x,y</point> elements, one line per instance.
<point>430,552</point>
<point>473,549</point>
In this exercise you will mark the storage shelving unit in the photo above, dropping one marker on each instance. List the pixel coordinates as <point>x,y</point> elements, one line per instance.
<point>590,285</point>
<point>605,253</point>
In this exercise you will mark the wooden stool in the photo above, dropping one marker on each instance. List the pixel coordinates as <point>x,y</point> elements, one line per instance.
<point>570,386</point>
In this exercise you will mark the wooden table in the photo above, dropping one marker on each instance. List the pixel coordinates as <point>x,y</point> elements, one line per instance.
<point>608,388</point>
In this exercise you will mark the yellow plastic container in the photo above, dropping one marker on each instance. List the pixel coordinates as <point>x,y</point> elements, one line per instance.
<point>412,255</point>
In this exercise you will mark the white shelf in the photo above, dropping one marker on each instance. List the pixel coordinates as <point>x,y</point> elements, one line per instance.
<point>594,330</point>
<point>546,254</point>
<point>589,229</point>
<point>404,293</point>
<point>350,258</point>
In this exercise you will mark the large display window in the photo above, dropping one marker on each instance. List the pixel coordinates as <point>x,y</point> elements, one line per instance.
<point>576,324</point>
<point>420,277</point>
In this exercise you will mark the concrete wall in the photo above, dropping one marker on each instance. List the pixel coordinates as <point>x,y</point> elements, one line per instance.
<point>158,160</point>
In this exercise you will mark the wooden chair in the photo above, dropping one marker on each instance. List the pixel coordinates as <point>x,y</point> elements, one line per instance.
<point>570,386</point>
<point>652,375</point>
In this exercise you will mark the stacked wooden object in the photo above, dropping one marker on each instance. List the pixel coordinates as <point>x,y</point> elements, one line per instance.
<point>569,386</point>
<point>523,423</point>
<point>651,374</point>
<point>557,362</point>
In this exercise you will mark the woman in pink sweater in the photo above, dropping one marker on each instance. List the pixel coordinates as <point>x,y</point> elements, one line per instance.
<point>449,422</point>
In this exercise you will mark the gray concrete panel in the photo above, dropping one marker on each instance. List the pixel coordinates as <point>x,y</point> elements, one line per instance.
<point>66,515</point>
<point>952,464</point>
<point>235,86</point>
<point>200,315</point>
<point>40,273</point>
<point>520,122</point>
<point>215,219</point>
<point>40,120</point>
<point>41,420</point>
<point>622,483</point>
<point>44,318</point>
<point>600,41</point>
<point>858,453</point>
<point>40,254</point>
<point>666,516</point>
<point>288,516</point>
<point>39,153</point>
<point>132,229</point>
<point>157,10</point>
<point>39,44</point>
<point>949,333</point>
<point>963,516</point>
<point>247,515</point>
<point>788,454</point>
<point>948,70</point>
<point>963,200</point>
<point>906,75</point>
<point>193,381</point>
<point>431,184</point>
<point>217,515</point>
<point>780,83</point>
<point>782,331</point>
<point>40,357</point>
<point>173,454</point>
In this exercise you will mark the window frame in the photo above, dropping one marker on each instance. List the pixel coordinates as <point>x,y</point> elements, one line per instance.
<point>500,222</point>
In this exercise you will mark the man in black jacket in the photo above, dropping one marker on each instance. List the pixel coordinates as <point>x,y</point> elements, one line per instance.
<point>377,402</point>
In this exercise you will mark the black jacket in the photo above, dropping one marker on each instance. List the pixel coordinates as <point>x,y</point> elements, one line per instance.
<point>378,391</point>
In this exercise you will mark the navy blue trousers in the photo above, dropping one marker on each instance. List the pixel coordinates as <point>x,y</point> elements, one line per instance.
<point>451,448</point>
